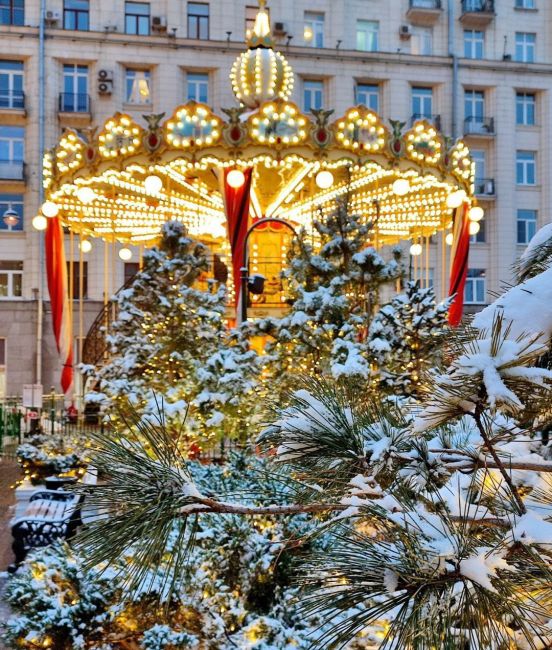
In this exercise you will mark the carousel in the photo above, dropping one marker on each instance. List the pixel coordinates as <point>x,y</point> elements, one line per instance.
<point>262,161</point>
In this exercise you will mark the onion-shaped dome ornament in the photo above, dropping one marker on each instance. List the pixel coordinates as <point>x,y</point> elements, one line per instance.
<point>261,74</point>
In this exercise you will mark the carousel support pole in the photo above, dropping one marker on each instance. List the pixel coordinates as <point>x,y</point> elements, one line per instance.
<point>72,294</point>
<point>427,262</point>
<point>81,299</point>
<point>443,265</point>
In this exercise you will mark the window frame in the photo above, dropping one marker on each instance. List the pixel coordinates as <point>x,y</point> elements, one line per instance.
<point>419,35</point>
<point>16,202</point>
<point>475,283</point>
<point>375,90</point>
<point>416,95</point>
<point>527,166</point>
<point>11,274</point>
<point>129,91</point>
<point>529,232</point>
<point>12,97</point>
<point>76,278</point>
<point>319,87</point>
<point>138,19</point>
<point>77,14</point>
<point>198,22</point>
<point>205,81</point>
<point>75,75</point>
<point>525,106</point>
<point>316,20</point>
<point>371,35</point>
<point>16,9</point>
<point>472,44</point>
<point>525,47</point>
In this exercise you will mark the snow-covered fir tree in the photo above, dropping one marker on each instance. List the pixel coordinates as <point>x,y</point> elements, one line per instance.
<point>406,338</point>
<point>438,514</point>
<point>333,280</point>
<point>170,343</point>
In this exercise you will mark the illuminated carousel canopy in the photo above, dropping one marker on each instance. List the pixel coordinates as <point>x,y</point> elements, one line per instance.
<point>123,182</point>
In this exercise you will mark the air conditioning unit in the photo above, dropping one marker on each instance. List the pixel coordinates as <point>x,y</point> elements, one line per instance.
<point>280,29</point>
<point>52,17</point>
<point>105,82</point>
<point>405,31</point>
<point>159,24</point>
<point>110,29</point>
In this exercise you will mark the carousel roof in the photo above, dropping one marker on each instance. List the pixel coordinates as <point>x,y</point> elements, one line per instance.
<point>123,181</point>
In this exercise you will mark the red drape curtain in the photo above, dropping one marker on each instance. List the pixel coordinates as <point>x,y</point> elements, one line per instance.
<point>459,263</point>
<point>56,269</point>
<point>236,201</point>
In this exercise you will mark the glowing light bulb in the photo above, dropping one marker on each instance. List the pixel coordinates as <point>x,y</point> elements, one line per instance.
<point>85,246</point>
<point>476,213</point>
<point>324,179</point>
<point>455,199</point>
<point>50,209</point>
<point>474,227</point>
<point>86,194</point>
<point>416,249</point>
<point>40,222</point>
<point>401,186</point>
<point>235,178</point>
<point>125,254</point>
<point>449,239</point>
<point>153,184</point>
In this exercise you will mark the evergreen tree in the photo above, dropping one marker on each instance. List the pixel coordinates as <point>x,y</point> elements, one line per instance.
<point>170,343</point>
<point>406,339</point>
<point>333,287</point>
<point>439,517</point>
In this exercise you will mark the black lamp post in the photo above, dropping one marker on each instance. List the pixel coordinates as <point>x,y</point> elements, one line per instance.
<point>255,284</point>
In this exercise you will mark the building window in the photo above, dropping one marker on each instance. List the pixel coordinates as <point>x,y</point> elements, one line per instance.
<point>368,94</point>
<point>76,279</point>
<point>11,202</point>
<point>526,225</point>
<point>12,149</point>
<point>474,44</point>
<point>421,41</point>
<point>313,94</point>
<point>76,15</point>
<point>197,87</point>
<point>479,237</point>
<point>138,86</point>
<point>11,84</point>
<point>314,29</point>
<point>474,108</point>
<point>367,35</point>
<point>12,12</point>
<point>198,20</point>
<point>525,4</point>
<point>74,98</point>
<point>475,290</point>
<point>137,18</point>
<point>525,108</point>
<point>479,158</point>
<point>422,103</point>
<point>11,279</point>
<point>130,270</point>
<point>525,47</point>
<point>2,367</point>
<point>526,168</point>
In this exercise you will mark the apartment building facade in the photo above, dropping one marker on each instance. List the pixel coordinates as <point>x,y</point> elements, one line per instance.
<point>481,69</point>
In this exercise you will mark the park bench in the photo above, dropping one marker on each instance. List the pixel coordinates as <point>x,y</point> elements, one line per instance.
<point>50,515</point>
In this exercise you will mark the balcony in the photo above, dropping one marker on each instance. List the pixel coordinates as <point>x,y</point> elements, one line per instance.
<point>424,12</point>
<point>479,126</point>
<point>433,119</point>
<point>13,100</point>
<point>485,188</point>
<point>477,13</point>
<point>12,170</point>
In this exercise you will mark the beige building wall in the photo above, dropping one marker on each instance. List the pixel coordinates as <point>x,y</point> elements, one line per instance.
<point>403,27</point>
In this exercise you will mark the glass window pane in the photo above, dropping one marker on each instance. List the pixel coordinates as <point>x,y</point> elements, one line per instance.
<point>4,283</point>
<point>17,285</point>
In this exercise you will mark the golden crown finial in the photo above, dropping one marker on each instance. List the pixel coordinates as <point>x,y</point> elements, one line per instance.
<point>260,34</point>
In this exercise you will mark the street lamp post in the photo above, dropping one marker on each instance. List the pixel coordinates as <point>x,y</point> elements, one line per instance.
<point>244,274</point>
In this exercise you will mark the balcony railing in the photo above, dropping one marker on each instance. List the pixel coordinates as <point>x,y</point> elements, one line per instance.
<point>475,125</point>
<point>478,6</point>
<point>485,187</point>
<point>434,119</point>
<point>12,99</point>
<point>425,4</point>
<point>74,103</point>
<point>12,170</point>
